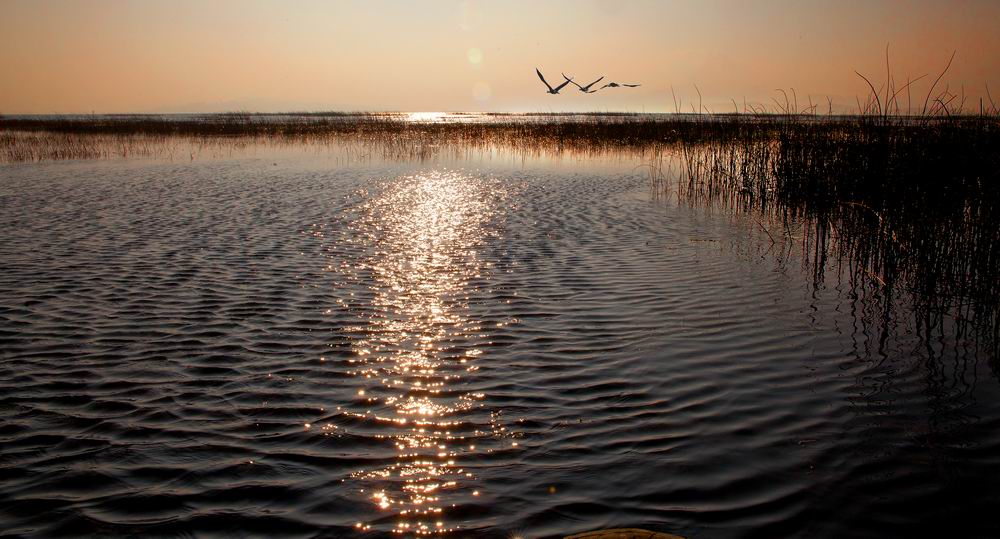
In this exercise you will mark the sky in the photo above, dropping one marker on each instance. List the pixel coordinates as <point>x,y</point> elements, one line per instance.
<point>110,56</point>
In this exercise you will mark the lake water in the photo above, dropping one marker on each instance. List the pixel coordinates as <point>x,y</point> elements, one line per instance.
<point>322,342</point>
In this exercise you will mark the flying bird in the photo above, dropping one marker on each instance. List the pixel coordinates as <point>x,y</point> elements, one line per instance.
<point>585,89</point>
<point>549,86</point>
<point>617,85</point>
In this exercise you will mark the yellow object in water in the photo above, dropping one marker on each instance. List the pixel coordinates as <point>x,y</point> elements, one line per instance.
<point>623,533</point>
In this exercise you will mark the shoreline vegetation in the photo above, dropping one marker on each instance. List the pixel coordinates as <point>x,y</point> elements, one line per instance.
<point>399,135</point>
<point>38,138</point>
<point>908,212</point>
<point>911,203</point>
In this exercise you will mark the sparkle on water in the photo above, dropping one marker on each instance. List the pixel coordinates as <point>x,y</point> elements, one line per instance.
<point>666,363</point>
<point>425,116</point>
<point>422,236</point>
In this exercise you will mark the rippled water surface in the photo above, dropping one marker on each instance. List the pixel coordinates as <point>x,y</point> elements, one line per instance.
<point>284,343</point>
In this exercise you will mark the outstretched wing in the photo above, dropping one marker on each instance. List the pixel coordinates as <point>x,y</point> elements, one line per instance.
<point>543,79</point>
<point>632,85</point>
<point>574,82</point>
<point>563,84</point>
<point>587,87</point>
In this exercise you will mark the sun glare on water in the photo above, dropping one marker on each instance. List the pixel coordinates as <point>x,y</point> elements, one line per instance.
<point>422,236</point>
<point>425,117</point>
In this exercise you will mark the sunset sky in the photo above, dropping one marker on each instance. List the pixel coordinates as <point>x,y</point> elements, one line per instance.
<point>217,55</point>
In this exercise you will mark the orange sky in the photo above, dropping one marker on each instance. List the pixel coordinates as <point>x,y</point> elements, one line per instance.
<point>65,56</point>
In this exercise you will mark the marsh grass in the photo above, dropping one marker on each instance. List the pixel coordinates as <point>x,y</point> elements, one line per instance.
<point>82,137</point>
<point>909,208</point>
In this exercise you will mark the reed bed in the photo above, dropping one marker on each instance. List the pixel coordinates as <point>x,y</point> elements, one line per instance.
<point>909,209</point>
<point>592,133</point>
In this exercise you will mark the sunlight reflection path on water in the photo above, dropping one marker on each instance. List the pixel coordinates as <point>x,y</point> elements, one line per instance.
<point>419,242</point>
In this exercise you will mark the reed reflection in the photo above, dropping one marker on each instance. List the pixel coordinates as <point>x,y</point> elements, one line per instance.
<point>420,240</point>
<point>911,234</point>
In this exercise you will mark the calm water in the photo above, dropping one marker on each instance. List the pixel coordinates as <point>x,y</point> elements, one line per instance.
<point>321,343</point>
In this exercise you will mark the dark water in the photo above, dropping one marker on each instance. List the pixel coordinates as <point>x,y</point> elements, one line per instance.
<point>304,345</point>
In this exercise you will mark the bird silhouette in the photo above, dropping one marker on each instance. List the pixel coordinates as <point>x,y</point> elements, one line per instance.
<point>585,89</point>
<point>551,90</point>
<point>619,85</point>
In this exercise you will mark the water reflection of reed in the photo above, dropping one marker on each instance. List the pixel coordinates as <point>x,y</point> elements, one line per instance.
<point>910,212</point>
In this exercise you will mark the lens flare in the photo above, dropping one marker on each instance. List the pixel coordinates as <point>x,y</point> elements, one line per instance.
<point>475,56</point>
<point>482,91</point>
